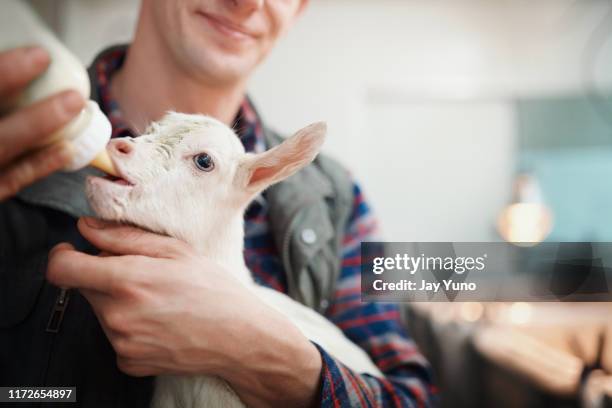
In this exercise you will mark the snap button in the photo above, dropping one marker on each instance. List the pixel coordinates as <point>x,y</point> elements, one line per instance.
<point>309,236</point>
<point>323,304</point>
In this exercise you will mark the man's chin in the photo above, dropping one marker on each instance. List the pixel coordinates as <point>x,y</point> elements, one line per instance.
<point>107,199</point>
<point>221,65</point>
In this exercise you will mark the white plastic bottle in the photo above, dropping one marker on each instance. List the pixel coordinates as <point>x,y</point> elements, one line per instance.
<point>90,130</point>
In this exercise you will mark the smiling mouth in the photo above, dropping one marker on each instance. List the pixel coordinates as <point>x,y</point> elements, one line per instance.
<point>226,27</point>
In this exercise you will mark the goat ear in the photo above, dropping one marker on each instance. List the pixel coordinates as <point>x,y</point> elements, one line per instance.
<point>259,171</point>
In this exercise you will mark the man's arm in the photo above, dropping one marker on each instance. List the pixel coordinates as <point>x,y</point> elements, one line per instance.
<point>167,310</point>
<point>375,327</point>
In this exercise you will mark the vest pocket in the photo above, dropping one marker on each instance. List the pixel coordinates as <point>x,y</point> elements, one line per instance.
<point>314,265</point>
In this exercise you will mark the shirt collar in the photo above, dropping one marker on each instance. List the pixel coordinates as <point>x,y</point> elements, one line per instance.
<point>247,123</point>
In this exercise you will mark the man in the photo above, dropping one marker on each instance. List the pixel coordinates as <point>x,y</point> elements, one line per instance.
<point>142,305</point>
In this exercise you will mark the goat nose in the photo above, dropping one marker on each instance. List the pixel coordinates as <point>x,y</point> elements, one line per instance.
<point>122,147</point>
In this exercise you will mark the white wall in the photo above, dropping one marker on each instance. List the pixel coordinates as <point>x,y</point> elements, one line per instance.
<point>417,94</point>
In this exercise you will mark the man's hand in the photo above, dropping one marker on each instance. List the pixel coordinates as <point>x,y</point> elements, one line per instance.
<point>24,131</point>
<point>167,310</point>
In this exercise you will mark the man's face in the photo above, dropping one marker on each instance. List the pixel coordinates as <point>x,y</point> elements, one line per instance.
<point>220,41</point>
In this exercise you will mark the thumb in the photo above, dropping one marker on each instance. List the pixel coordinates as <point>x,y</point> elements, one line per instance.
<point>64,246</point>
<point>123,239</point>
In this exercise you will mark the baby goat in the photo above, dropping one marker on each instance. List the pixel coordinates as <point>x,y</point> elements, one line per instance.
<point>189,177</point>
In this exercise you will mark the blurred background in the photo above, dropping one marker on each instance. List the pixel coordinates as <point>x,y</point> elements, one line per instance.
<point>451,98</point>
<point>464,120</point>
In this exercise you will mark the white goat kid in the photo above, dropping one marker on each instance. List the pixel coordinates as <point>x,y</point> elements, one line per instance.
<point>189,177</point>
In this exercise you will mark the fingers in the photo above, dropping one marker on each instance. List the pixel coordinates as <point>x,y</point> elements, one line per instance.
<point>19,66</point>
<point>136,368</point>
<point>126,240</point>
<point>68,268</point>
<point>30,168</point>
<point>30,127</point>
<point>132,354</point>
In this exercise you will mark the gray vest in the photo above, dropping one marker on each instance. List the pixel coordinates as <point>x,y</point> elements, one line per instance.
<point>309,213</point>
<point>308,216</point>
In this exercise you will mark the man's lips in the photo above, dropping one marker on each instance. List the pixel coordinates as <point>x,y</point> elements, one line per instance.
<point>226,27</point>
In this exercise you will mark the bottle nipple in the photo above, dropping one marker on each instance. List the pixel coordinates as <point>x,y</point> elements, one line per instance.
<point>103,162</point>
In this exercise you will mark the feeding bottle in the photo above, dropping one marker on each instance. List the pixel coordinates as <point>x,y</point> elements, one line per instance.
<point>90,130</point>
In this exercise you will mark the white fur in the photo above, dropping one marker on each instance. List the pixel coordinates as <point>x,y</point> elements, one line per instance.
<point>170,195</point>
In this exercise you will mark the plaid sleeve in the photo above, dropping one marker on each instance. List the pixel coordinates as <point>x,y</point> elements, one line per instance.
<point>376,328</point>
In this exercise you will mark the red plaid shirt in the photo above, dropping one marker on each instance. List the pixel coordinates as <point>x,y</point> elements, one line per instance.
<point>375,327</point>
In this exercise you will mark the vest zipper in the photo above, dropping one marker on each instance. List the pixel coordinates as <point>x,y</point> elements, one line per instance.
<point>57,313</point>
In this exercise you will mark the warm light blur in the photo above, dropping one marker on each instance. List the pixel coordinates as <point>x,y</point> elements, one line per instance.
<point>527,220</point>
<point>525,223</point>
<point>520,313</point>
<point>471,311</point>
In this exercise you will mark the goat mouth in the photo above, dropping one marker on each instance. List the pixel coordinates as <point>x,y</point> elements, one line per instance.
<point>119,180</point>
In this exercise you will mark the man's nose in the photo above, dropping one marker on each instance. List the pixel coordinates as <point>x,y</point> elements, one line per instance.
<point>121,147</point>
<point>247,5</point>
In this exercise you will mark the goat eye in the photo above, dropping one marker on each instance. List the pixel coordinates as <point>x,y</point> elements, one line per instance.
<point>204,162</point>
